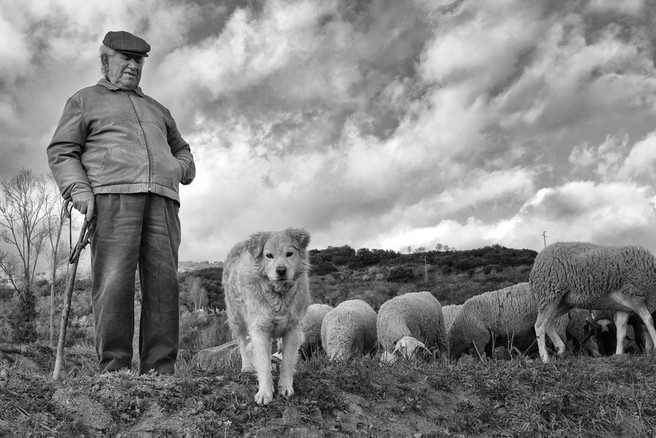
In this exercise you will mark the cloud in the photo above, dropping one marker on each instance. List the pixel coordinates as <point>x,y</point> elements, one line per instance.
<point>604,213</point>
<point>617,159</point>
<point>375,124</point>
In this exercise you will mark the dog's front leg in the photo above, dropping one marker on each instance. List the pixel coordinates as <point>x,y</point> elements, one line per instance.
<point>262,362</point>
<point>291,342</point>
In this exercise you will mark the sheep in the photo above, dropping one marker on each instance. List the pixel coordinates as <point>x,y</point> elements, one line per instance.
<point>311,327</point>
<point>580,274</point>
<point>587,335</point>
<point>504,313</point>
<point>410,323</point>
<point>450,312</point>
<point>349,330</point>
<point>600,326</point>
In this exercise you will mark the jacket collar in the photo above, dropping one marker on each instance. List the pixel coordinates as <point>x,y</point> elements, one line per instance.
<point>111,86</point>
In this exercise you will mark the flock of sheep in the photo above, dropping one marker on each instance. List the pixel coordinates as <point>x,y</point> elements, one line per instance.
<point>574,291</point>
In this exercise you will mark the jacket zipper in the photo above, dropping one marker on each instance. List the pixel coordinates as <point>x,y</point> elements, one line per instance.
<point>143,136</point>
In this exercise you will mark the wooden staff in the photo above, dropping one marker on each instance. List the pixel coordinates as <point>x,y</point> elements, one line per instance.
<point>73,261</point>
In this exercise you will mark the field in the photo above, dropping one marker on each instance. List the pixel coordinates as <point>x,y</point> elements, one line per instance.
<point>519,397</point>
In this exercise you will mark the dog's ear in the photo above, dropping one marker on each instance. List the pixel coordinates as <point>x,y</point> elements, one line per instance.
<point>300,237</point>
<point>255,243</point>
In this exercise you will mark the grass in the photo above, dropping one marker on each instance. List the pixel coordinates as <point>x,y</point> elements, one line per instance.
<point>572,396</point>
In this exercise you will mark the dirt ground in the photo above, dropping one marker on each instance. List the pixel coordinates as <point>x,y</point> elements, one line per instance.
<point>362,399</point>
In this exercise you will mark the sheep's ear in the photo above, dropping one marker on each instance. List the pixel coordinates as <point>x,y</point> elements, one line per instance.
<point>255,243</point>
<point>400,348</point>
<point>300,237</point>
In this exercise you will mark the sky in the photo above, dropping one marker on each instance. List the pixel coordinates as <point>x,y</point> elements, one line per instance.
<point>375,124</point>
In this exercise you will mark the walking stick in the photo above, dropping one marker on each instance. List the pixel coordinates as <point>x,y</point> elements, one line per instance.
<point>82,241</point>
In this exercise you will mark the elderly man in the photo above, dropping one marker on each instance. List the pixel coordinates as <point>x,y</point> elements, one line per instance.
<point>118,156</point>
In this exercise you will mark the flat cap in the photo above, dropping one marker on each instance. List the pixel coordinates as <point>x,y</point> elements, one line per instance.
<point>125,42</point>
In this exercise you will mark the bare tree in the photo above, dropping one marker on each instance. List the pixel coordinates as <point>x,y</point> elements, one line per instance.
<point>23,208</point>
<point>57,216</point>
<point>197,293</point>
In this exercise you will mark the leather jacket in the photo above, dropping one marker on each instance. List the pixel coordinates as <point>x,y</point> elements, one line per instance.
<point>119,141</point>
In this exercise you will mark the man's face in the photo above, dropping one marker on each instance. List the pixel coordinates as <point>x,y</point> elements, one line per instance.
<point>124,70</point>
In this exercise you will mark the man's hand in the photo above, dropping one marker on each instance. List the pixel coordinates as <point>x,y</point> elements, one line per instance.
<point>83,200</point>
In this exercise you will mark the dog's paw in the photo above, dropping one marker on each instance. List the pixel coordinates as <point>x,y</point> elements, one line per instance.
<point>247,369</point>
<point>286,390</point>
<point>263,396</point>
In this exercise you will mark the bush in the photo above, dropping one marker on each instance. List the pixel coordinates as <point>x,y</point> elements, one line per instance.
<point>200,330</point>
<point>401,274</point>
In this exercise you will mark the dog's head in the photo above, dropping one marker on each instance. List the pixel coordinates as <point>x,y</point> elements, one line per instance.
<point>280,256</point>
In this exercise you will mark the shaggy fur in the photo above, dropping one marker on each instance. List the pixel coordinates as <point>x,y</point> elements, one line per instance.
<point>349,330</point>
<point>578,274</point>
<point>410,323</point>
<point>505,313</point>
<point>267,295</point>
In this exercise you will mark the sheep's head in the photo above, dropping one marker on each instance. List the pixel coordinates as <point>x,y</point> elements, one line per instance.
<point>408,347</point>
<point>387,358</point>
<point>602,332</point>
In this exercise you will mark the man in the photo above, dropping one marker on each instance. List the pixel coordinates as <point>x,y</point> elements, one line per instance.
<point>119,157</point>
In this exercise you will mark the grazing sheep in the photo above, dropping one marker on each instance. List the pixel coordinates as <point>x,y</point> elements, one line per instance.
<point>410,323</point>
<point>586,335</point>
<point>311,326</point>
<point>349,330</point>
<point>450,312</point>
<point>578,274</point>
<point>499,315</point>
<point>601,327</point>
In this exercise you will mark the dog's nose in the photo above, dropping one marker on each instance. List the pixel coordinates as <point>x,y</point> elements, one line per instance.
<point>281,271</point>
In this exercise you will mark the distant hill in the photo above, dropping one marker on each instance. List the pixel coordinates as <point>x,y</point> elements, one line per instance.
<point>374,275</point>
<point>188,266</point>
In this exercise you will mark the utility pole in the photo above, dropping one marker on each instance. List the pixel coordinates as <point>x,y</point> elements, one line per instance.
<point>544,236</point>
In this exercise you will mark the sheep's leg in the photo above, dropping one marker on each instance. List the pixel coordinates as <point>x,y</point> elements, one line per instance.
<point>540,333</point>
<point>620,330</point>
<point>262,362</point>
<point>291,343</point>
<point>649,344</point>
<point>544,325</point>
<point>649,323</point>
<point>556,339</point>
<point>638,305</point>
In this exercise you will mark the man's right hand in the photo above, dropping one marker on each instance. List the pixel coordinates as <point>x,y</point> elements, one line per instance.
<point>84,201</point>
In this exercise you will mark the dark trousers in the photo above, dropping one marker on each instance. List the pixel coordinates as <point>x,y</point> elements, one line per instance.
<point>136,230</point>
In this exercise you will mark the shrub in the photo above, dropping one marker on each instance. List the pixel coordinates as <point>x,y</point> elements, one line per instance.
<point>200,330</point>
<point>401,274</point>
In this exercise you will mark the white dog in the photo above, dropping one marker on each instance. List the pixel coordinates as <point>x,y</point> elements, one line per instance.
<point>266,286</point>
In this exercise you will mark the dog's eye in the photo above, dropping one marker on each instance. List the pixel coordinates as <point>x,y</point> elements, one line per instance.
<point>268,255</point>
<point>290,254</point>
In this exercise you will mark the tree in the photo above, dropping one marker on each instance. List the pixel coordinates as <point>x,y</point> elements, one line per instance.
<point>197,293</point>
<point>57,216</point>
<point>192,287</point>
<point>23,209</point>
